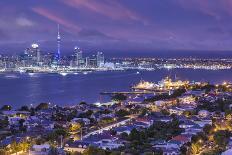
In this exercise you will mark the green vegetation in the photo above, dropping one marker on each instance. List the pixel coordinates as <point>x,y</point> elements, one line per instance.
<point>57,133</point>
<point>119,97</point>
<point>221,138</point>
<point>16,147</point>
<point>4,123</point>
<point>24,108</point>
<point>105,121</point>
<point>140,140</point>
<point>94,151</point>
<point>176,93</point>
<point>6,107</point>
<point>86,114</point>
<point>42,106</point>
<point>219,105</point>
<point>122,113</point>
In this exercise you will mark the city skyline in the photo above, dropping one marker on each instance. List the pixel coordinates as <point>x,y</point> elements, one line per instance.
<point>118,26</point>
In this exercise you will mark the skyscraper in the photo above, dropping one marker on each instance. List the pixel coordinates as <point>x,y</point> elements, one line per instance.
<point>58,43</point>
<point>35,52</point>
<point>100,59</point>
<point>79,57</point>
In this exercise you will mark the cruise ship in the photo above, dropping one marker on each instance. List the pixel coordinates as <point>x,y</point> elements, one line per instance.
<point>166,83</point>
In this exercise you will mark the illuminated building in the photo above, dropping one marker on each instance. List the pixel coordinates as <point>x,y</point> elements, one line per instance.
<point>78,56</point>
<point>100,59</point>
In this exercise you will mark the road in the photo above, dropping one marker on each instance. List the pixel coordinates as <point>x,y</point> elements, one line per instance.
<point>110,126</point>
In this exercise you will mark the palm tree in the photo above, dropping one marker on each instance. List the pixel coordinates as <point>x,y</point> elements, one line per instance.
<point>195,148</point>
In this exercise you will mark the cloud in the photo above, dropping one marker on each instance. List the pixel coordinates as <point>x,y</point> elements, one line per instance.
<point>53,16</point>
<point>111,9</point>
<point>22,21</point>
<point>210,8</point>
<point>92,33</point>
<point>3,36</point>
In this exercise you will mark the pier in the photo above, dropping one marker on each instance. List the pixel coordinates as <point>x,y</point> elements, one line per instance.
<point>133,92</point>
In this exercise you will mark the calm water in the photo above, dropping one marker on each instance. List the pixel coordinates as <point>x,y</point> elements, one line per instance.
<point>23,89</point>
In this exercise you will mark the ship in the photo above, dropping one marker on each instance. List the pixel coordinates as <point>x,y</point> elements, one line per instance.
<point>166,83</point>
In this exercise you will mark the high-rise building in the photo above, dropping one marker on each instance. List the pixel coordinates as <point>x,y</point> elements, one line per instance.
<point>100,59</point>
<point>36,52</point>
<point>93,61</point>
<point>58,43</point>
<point>78,56</point>
<point>87,62</point>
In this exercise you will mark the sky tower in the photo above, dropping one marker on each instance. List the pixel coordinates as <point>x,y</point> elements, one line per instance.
<point>58,42</point>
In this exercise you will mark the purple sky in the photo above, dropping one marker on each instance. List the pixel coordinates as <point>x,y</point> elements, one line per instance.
<point>119,24</point>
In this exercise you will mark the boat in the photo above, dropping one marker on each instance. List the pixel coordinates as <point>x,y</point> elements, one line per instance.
<point>63,73</point>
<point>29,71</point>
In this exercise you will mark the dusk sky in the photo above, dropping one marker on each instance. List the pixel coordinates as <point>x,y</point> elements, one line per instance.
<point>146,25</point>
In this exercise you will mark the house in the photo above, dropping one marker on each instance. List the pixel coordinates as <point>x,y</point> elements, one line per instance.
<point>9,113</point>
<point>42,149</point>
<point>145,120</point>
<point>164,119</point>
<point>227,152</point>
<point>170,151</point>
<point>187,99</point>
<point>86,121</point>
<point>180,139</point>
<point>122,129</point>
<point>188,124</point>
<point>76,146</point>
<point>167,147</point>
<point>179,110</point>
<point>104,141</point>
<point>141,125</point>
<point>203,122</point>
<point>203,113</point>
<point>8,141</point>
<point>47,124</point>
<point>30,123</point>
<point>134,100</point>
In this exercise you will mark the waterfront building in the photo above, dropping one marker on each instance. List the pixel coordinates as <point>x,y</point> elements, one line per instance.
<point>87,62</point>
<point>93,61</point>
<point>100,59</point>
<point>78,56</point>
<point>35,52</point>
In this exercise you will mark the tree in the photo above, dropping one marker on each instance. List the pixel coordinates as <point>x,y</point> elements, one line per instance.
<point>115,153</point>
<point>122,113</point>
<point>53,151</point>
<point>42,106</point>
<point>134,135</point>
<point>4,123</point>
<point>207,129</point>
<point>86,114</point>
<point>221,138</point>
<point>105,121</point>
<point>24,108</point>
<point>82,103</point>
<point>24,145</point>
<point>75,127</point>
<point>119,97</point>
<point>183,150</point>
<point>15,147</point>
<point>56,134</point>
<point>22,128</point>
<point>94,151</point>
<point>165,112</point>
<point>195,148</point>
<point>6,108</point>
